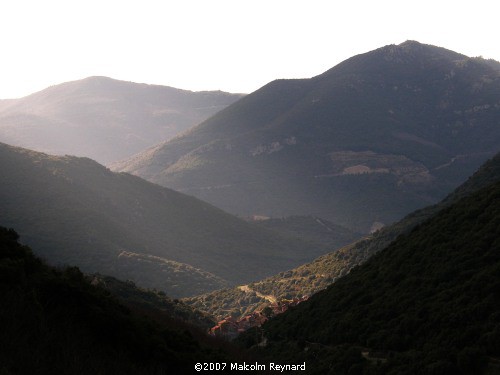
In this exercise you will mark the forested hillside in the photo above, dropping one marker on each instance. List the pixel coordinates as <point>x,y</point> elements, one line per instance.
<point>428,303</point>
<point>75,211</point>
<point>53,321</point>
<point>314,276</point>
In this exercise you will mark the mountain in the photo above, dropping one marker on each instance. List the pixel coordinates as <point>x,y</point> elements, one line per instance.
<point>75,211</point>
<point>54,321</point>
<point>375,137</point>
<point>151,301</point>
<point>321,233</point>
<point>314,276</point>
<point>104,119</point>
<point>427,304</point>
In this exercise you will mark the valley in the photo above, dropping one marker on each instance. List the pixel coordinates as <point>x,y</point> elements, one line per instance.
<point>310,278</point>
<point>75,211</point>
<point>430,290</point>
<point>350,221</point>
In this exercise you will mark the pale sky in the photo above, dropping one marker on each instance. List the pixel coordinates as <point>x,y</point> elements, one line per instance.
<point>230,45</point>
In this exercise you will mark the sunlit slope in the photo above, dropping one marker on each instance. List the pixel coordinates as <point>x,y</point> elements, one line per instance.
<point>104,119</point>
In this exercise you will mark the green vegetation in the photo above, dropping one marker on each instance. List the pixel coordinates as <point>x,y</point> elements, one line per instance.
<point>377,136</point>
<point>53,321</point>
<point>427,304</point>
<point>311,277</point>
<point>305,280</point>
<point>227,302</point>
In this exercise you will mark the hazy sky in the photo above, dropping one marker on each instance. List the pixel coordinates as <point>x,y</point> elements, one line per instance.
<point>231,45</point>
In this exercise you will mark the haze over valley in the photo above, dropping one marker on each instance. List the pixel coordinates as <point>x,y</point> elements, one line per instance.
<point>103,118</point>
<point>375,137</point>
<point>348,223</point>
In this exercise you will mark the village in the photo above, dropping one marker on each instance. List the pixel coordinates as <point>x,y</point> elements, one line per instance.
<point>229,327</point>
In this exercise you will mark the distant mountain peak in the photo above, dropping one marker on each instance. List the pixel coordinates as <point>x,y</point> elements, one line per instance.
<point>105,118</point>
<point>97,79</point>
<point>414,45</point>
<point>413,118</point>
<point>411,43</point>
<point>414,49</point>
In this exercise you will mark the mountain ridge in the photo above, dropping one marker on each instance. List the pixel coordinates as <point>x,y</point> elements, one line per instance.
<point>103,118</point>
<point>75,211</point>
<point>375,137</point>
<point>310,278</point>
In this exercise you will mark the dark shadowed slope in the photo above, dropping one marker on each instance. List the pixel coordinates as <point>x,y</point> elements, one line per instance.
<point>75,211</point>
<point>312,277</point>
<point>56,322</point>
<point>427,304</point>
<point>320,232</point>
<point>103,118</point>
<point>375,137</point>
